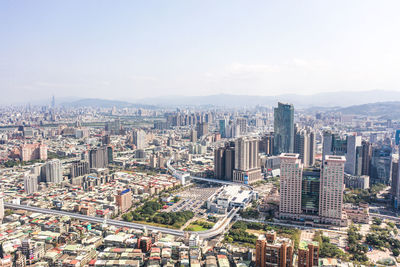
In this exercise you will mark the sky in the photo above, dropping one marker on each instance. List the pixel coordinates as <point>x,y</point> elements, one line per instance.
<point>128,50</point>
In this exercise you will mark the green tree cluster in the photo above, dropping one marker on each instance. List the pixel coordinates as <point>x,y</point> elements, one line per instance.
<point>381,238</point>
<point>363,195</point>
<point>327,249</point>
<point>249,213</point>
<point>149,212</point>
<point>291,233</point>
<point>355,247</point>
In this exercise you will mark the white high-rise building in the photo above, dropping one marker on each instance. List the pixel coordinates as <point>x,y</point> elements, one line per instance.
<point>1,205</point>
<point>139,139</point>
<point>53,171</point>
<point>353,142</point>
<point>30,183</point>
<point>331,189</point>
<point>290,186</point>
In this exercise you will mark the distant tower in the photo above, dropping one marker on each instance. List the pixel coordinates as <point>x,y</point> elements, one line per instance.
<point>53,102</point>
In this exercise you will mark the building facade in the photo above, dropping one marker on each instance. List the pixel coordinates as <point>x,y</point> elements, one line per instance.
<point>290,186</point>
<point>331,190</point>
<point>283,129</point>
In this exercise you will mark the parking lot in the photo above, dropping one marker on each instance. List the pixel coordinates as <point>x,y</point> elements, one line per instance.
<point>192,199</point>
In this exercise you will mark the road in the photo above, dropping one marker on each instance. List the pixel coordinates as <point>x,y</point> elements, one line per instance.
<point>301,227</point>
<point>382,216</point>
<point>216,230</point>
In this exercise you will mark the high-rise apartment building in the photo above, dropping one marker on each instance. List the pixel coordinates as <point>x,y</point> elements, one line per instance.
<point>30,183</point>
<point>124,200</point>
<point>247,163</point>
<point>1,206</point>
<point>290,186</point>
<point>308,254</point>
<point>202,129</point>
<point>193,135</point>
<point>33,152</point>
<point>79,168</point>
<point>100,157</point>
<point>283,128</point>
<point>242,122</point>
<point>139,139</point>
<point>273,251</point>
<point>331,189</point>
<point>53,171</point>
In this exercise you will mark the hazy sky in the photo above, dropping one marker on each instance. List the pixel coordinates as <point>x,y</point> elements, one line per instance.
<point>133,49</point>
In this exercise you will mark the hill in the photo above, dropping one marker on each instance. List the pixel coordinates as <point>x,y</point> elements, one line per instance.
<point>384,110</point>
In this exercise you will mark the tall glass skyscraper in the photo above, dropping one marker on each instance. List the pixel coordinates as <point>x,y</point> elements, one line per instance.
<point>283,129</point>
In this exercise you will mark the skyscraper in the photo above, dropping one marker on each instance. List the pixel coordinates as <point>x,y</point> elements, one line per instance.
<point>290,186</point>
<point>283,128</point>
<point>53,171</point>
<point>366,155</point>
<point>1,205</point>
<point>202,129</point>
<point>224,161</point>
<point>247,163</point>
<point>302,145</point>
<point>193,135</point>
<point>334,144</point>
<point>219,163</point>
<point>99,157</point>
<point>242,122</point>
<point>222,127</point>
<point>395,185</point>
<point>30,183</point>
<point>353,142</point>
<point>380,164</point>
<point>331,189</point>
<point>267,144</point>
<point>79,168</point>
<point>139,139</point>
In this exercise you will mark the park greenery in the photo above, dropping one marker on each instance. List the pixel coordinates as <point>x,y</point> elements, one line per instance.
<point>149,212</point>
<point>363,195</point>
<point>249,213</point>
<point>238,232</point>
<point>384,238</point>
<point>327,249</point>
<point>355,247</point>
<point>199,225</point>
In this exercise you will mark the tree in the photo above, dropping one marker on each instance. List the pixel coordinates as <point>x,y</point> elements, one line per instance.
<point>396,252</point>
<point>377,221</point>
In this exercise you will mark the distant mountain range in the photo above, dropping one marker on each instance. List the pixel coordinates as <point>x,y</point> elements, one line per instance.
<point>384,110</point>
<point>104,103</point>
<point>329,99</point>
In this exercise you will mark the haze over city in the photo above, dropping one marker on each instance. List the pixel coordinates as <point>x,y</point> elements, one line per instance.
<point>129,50</point>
